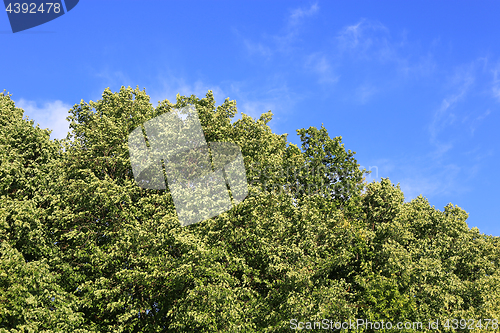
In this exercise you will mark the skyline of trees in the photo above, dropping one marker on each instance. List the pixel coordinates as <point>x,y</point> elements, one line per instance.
<point>84,249</point>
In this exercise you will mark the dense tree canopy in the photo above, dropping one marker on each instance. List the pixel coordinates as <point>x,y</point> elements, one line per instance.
<point>84,249</point>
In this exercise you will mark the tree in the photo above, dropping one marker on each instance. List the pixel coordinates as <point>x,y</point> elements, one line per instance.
<point>31,296</point>
<point>424,264</point>
<point>306,243</point>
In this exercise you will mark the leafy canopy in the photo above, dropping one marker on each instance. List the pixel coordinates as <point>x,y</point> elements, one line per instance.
<point>84,249</point>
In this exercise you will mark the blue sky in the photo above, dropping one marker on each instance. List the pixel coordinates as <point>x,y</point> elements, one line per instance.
<point>412,87</point>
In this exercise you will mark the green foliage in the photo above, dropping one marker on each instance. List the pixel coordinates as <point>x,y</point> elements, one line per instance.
<point>84,249</point>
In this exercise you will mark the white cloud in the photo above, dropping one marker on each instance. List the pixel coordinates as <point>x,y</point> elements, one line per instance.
<point>423,175</point>
<point>474,123</point>
<point>280,42</point>
<point>299,13</point>
<point>113,78</point>
<point>365,92</point>
<point>496,92</point>
<point>252,99</point>
<point>464,108</point>
<point>51,115</point>
<point>274,95</point>
<point>372,41</point>
<point>172,85</point>
<point>350,35</point>
<point>255,108</point>
<point>366,39</point>
<point>435,180</point>
<point>412,187</point>
<point>423,67</point>
<point>495,89</point>
<point>444,117</point>
<point>258,48</point>
<point>319,64</point>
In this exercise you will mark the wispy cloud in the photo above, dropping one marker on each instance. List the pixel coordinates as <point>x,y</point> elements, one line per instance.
<point>366,39</point>
<point>274,94</point>
<point>455,119</point>
<point>171,85</point>
<point>371,41</point>
<point>256,108</point>
<point>281,42</point>
<point>495,89</point>
<point>475,122</point>
<point>424,66</point>
<point>256,48</point>
<point>319,64</point>
<point>299,13</point>
<point>51,115</point>
<point>440,181</point>
<point>364,92</point>
<point>252,98</point>
<point>284,41</point>
<point>422,175</point>
<point>366,46</point>
<point>444,116</point>
<point>466,107</point>
<point>112,77</point>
